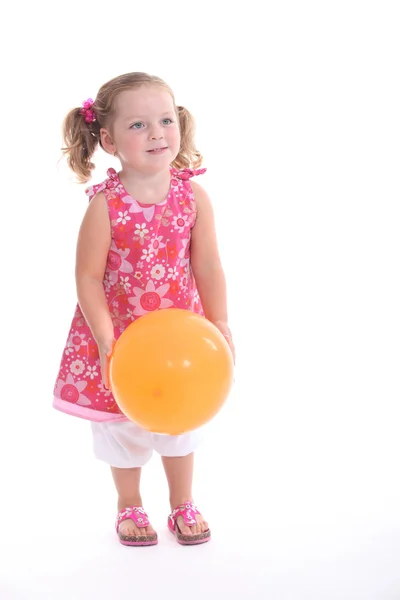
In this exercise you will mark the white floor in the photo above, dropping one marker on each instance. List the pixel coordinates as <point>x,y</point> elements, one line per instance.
<point>297,513</point>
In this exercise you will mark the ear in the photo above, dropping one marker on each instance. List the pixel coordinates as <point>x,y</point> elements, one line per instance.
<point>106,141</point>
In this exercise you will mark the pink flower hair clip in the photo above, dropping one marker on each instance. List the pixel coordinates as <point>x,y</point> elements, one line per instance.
<point>87,111</point>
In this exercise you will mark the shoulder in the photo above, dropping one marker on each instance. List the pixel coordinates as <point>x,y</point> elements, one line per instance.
<point>197,188</point>
<point>201,196</point>
<point>97,202</point>
<point>97,214</point>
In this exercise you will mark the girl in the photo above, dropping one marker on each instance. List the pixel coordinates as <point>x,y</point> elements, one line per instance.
<point>146,242</point>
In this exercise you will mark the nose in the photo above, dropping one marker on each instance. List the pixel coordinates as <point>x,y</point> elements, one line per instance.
<point>156,133</point>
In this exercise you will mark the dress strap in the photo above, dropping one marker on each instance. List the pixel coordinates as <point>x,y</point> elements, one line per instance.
<point>186,174</point>
<point>110,183</point>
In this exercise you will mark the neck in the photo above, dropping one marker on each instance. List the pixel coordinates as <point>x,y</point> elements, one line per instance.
<point>146,188</point>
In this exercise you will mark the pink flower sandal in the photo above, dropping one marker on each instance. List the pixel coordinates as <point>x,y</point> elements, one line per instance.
<point>188,511</point>
<point>140,518</point>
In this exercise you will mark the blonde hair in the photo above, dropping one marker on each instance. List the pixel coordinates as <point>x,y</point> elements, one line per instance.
<point>81,139</point>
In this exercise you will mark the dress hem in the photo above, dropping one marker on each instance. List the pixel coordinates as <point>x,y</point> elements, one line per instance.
<point>86,413</point>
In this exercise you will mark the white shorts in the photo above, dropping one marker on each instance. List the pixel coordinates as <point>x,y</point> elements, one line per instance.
<point>125,445</point>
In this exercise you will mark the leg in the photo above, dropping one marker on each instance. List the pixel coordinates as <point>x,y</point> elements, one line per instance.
<point>127,483</point>
<point>179,472</point>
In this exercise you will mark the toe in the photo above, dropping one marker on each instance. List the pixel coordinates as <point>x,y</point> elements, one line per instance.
<point>149,531</point>
<point>133,530</point>
<point>198,528</point>
<point>129,528</point>
<point>202,526</point>
<point>126,527</point>
<point>183,528</point>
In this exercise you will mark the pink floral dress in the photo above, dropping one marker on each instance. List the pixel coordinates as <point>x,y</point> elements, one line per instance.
<point>148,268</point>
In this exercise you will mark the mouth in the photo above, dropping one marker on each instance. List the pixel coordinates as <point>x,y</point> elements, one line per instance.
<point>157,150</point>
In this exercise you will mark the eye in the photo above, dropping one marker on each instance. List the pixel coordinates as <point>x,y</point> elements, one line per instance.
<point>137,125</point>
<point>167,121</point>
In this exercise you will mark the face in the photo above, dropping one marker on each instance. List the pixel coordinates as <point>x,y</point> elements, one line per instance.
<point>145,133</point>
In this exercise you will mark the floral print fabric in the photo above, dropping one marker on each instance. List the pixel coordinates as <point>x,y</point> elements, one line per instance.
<point>148,268</point>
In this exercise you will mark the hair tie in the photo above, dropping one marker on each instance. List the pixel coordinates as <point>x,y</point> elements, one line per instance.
<point>87,111</point>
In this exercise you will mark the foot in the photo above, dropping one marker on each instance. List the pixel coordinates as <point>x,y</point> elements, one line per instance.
<point>128,528</point>
<point>200,527</point>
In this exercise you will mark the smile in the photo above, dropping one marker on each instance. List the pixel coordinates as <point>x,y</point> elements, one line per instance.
<point>157,150</point>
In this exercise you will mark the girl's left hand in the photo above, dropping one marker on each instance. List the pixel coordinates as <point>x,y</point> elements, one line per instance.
<point>226,332</point>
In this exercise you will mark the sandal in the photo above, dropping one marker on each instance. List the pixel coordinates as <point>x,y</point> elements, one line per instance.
<point>188,512</point>
<point>140,518</point>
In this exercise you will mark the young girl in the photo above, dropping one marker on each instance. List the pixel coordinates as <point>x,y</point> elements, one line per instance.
<point>146,242</point>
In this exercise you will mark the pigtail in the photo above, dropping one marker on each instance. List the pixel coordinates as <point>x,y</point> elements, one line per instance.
<point>81,140</point>
<point>189,157</point>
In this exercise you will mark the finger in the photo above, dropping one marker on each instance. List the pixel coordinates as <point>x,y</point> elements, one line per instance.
<point>106,366</point>
<point>104,373</point>
<point>106,378</point>
<point>107,372</point>
<point>108,354</point>
<point>106,382</point>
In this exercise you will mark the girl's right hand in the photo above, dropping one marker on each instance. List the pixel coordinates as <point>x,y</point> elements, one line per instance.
<point>105,350</point>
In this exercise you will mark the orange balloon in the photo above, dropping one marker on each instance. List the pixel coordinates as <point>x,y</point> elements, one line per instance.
<point>171,371</point>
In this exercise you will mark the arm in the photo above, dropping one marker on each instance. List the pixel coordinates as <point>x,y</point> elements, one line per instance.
<point>94,241</point>
<point>206,264</point>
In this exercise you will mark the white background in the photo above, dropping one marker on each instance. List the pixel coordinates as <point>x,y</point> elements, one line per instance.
<point>297,107</point>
